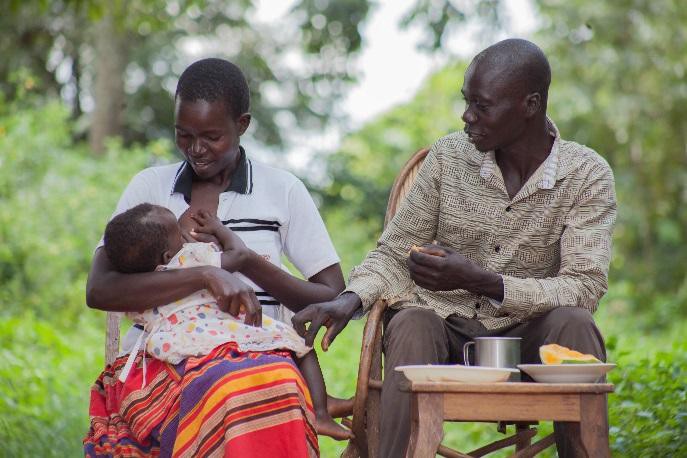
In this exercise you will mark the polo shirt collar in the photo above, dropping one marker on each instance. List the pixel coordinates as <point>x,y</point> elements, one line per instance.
<point>549,170</point>
<point>241,181</point>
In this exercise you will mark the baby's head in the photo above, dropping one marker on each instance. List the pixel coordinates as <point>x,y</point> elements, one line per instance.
<point>142,238</point>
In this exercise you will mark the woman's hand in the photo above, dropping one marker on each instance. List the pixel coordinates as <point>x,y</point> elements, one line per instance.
<point>233,296</point>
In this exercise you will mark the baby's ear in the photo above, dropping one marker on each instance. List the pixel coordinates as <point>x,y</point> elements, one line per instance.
<point>167,256</point>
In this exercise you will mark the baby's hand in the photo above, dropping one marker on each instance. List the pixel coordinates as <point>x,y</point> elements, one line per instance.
<point>234,251</point>
<point>206,223</point>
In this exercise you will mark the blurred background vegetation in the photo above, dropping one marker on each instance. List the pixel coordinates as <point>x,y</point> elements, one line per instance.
<point>85,103</point>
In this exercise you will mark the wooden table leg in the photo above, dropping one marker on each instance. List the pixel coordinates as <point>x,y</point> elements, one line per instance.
<point>594,425</point>
<point>427,421</point>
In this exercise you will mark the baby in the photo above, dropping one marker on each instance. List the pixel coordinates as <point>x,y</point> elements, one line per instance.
<point>148,237</point>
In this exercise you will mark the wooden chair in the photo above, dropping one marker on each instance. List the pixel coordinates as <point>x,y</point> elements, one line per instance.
<point>366,404</point>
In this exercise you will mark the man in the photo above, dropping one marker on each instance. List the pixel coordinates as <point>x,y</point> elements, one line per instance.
<point>522,222</point>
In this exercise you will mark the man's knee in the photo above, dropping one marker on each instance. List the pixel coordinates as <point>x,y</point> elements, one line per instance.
<point>569,317</point>
<point>414,320</point>
<point>574,327</point>
<point>413,327</point>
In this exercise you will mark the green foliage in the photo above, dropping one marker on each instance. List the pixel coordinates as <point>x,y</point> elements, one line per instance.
<point>363,170</point>
<point>618,89</point>
<point>56,44</point>
<point>441,17</point>
<point>648,412</point>
<point>56,201</point>
<point>46,372</point>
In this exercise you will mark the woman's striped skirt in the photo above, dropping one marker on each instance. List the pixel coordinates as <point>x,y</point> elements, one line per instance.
<point>227,403</point>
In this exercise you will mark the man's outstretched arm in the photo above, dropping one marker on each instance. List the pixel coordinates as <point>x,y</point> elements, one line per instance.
<point>383,274</point>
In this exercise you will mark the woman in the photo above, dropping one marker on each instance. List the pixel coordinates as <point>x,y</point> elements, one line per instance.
<point>227,403</point>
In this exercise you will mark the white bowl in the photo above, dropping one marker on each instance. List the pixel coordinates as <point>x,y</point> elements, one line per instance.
<point>566,373</point>
<point>455,373</point>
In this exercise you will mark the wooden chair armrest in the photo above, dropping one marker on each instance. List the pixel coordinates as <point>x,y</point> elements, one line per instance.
<point>374,321</point>
<point>371,332</point>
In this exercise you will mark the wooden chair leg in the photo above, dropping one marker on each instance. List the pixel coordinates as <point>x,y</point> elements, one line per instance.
<point>450,453</point>
<point>370,363</point>
<point>524,439</point>
<point>532,450</point>
<point>374,397</point>
<point>522,435</point>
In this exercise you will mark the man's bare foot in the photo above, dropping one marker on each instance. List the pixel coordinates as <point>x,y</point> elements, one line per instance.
<point>339,408</point>
<point>326,426</point>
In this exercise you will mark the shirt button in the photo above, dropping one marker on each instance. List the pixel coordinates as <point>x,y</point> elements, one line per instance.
<point>497,248</point>
<point>508,208</point>
<point>477,305</point>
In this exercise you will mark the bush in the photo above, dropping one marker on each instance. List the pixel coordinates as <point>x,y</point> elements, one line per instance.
<point>648,412</point>
<point>45,376</point>
<point>56,201</point>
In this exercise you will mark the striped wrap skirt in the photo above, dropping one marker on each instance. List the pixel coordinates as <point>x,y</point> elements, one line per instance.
<point>228,403</point>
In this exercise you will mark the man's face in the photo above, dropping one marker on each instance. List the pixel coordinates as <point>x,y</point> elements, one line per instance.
<point>208,136</point>
<point>495,105</point>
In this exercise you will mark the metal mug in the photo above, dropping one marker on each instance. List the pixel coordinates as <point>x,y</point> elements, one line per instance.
<point>495,352</point>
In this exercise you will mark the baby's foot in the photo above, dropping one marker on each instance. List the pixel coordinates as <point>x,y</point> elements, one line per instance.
<point>339,408</point>
<point>326,426</point>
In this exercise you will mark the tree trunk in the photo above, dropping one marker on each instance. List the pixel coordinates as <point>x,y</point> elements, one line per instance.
<point>76,77</point>
<point>108,93</point>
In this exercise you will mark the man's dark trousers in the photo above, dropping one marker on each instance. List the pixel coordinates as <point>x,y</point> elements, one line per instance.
<point>420,336</point>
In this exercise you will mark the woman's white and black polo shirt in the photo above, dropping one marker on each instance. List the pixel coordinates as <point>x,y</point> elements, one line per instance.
<point>270,209</point>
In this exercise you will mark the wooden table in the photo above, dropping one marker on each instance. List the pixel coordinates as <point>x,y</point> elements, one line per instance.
<point>582,404</point>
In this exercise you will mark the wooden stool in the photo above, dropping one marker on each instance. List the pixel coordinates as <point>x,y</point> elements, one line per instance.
<point>436,402</point>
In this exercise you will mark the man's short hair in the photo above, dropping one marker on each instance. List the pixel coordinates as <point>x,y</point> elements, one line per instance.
<point>215,79</point>
<point>135,240</point>
<point>522,61</point>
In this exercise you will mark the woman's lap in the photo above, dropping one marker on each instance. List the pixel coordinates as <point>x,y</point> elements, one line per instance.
<point>225,404</point>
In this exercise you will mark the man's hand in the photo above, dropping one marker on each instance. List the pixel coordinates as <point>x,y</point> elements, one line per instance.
<point>233,296</point>
<point>438,268</point>
<point>334,315</point>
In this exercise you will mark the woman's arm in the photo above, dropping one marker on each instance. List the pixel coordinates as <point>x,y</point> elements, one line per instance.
<point>108,289</point>
<point>293,292</point>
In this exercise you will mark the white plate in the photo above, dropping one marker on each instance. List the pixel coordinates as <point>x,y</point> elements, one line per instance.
<point>566,373</point>
<point>455,373</point>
